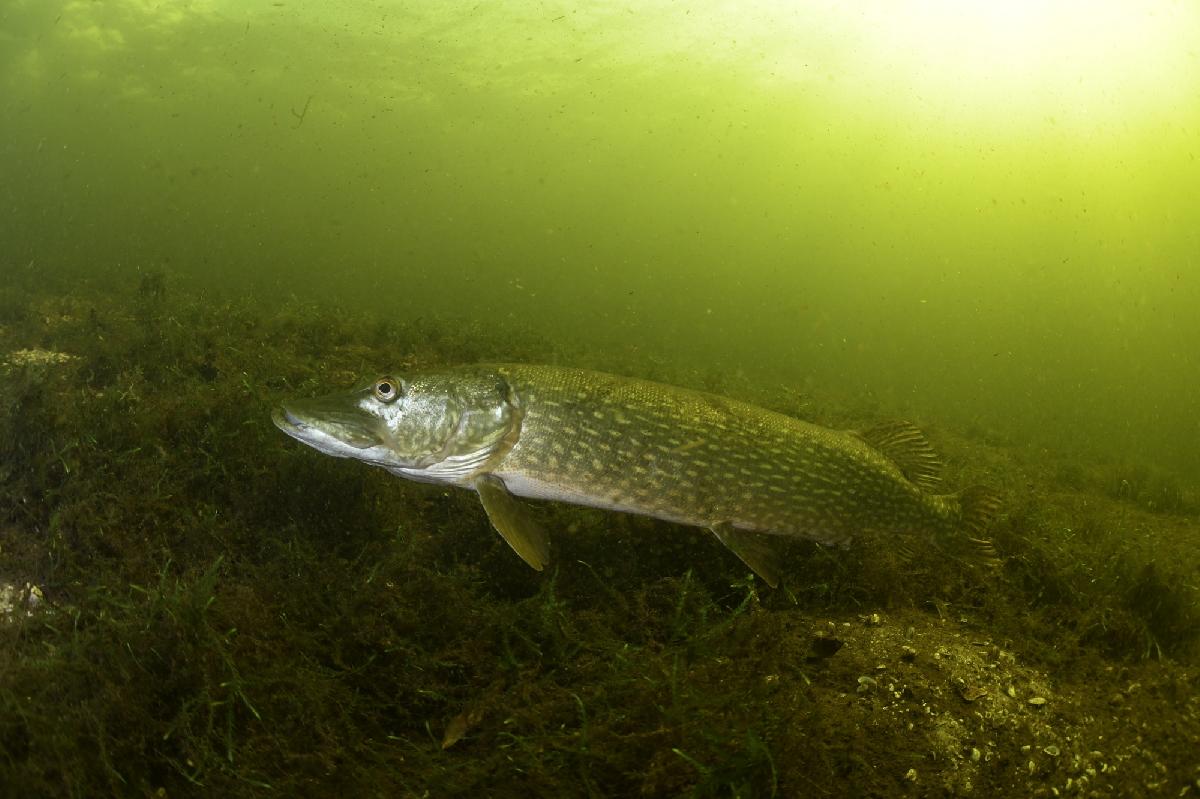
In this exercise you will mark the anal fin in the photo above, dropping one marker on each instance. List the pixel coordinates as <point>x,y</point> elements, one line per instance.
<point>513,521</point>
<point>755,550</point>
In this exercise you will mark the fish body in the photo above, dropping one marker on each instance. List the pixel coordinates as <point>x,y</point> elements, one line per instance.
<point>588,438</point>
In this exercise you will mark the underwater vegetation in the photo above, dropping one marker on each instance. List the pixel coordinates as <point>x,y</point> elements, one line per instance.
<point>220,611</point>
<point>1140,485</point>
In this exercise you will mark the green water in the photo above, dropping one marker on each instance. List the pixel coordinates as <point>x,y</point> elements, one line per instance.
<point>986,220</point>
<point>981,218</point>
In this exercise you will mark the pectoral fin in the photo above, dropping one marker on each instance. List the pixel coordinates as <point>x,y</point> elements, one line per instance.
<point>755,550</point>
<point>513,522</point>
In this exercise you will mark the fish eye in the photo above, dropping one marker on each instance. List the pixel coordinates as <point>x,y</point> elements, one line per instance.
<point>387,389</point>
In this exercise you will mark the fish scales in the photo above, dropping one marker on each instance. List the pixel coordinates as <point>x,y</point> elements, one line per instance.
<point>696,458</point>
<point>624,444</point>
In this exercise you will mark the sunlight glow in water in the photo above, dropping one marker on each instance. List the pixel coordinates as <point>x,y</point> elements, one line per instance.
<point>1101,59</point>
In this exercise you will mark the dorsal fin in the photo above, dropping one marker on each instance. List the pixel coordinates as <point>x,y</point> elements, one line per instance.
<point>907,447</point>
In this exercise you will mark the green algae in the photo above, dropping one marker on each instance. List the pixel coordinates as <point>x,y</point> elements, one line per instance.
<point>226,612</point>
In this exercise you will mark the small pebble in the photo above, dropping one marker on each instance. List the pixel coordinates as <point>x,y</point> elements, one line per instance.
<point>1037,701</point>
<point>971,693</point>
<point>1051,750</point>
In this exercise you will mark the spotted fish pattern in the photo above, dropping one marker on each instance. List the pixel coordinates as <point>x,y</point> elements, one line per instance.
<point>701,459</point>
<point>571,435</point>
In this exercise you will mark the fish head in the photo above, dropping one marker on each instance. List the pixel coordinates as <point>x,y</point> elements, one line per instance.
<point>440,427</point>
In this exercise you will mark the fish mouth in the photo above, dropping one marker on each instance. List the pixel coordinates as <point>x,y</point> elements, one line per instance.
<point>285,420</point>
<point>328,428</point>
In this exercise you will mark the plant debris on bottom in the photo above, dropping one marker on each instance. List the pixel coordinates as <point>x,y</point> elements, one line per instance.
<point>191,604</point>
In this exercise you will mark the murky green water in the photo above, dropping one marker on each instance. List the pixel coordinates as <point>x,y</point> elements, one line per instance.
<point>978,217</point>
<point>984,211</point>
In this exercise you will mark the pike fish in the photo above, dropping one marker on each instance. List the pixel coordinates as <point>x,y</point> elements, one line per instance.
<point>750,475</point>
